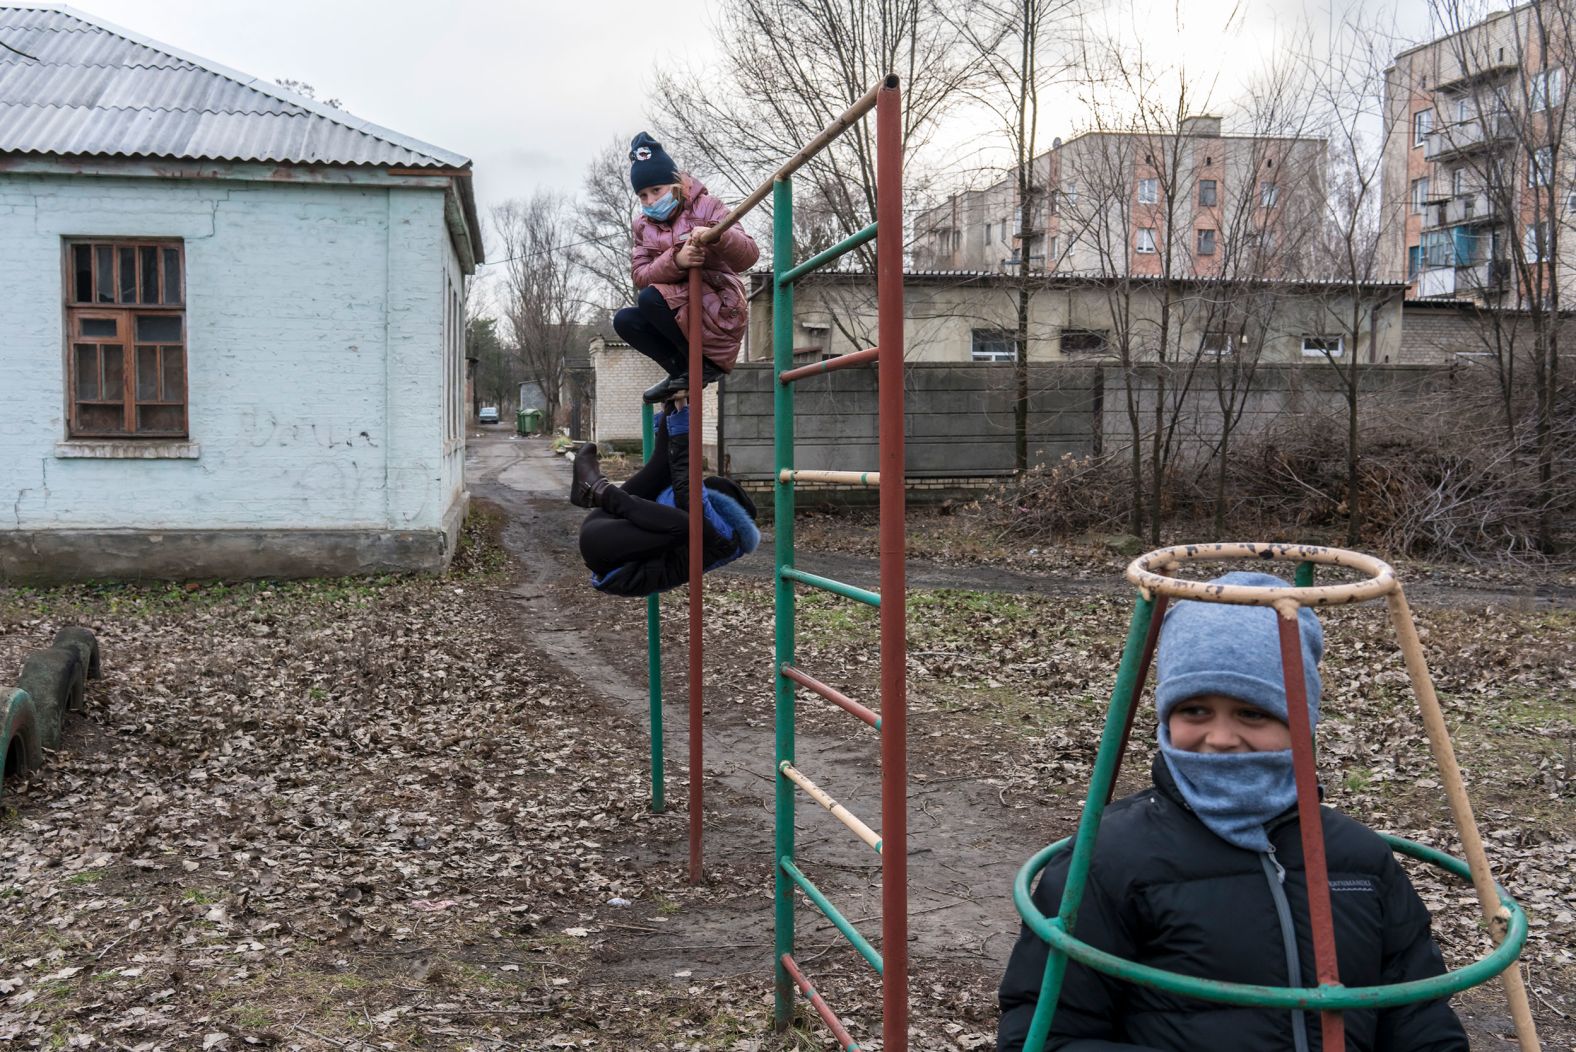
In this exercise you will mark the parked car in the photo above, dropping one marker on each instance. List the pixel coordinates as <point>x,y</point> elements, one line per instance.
<point>488,415</point>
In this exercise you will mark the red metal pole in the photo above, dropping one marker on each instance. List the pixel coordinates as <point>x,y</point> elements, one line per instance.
<point>697,478</point>
<point>894,641</point>
<point>1309,818</point>
<point>1157,615</point>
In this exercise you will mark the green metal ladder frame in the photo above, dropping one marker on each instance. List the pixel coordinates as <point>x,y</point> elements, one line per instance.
<point>1505,920</point>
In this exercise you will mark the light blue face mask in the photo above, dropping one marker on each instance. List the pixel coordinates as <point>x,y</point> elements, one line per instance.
<point>662,209</point>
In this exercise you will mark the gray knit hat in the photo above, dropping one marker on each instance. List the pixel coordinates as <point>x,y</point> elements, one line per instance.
<point>1222,648</point>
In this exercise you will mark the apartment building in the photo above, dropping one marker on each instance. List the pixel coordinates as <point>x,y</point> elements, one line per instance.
<point>1475,186</point>
<point>1196,203</point>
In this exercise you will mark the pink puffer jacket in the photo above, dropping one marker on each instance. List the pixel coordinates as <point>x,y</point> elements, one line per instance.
<point>725,311</point>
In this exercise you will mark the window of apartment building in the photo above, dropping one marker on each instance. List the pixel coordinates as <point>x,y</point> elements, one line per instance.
<point>1570,202</point>
<point>1218,345</point>
<point>1206,242</point>
<point>1548,89</point>
<point>1438,249</point>
<point>1419,194</point>
<point>1458,181</point>
<point>1084,341</point>
<point>1050,251</point>
<point>1535,242</point>
<point>957,240</point>
<point>993,345</point>
<point>1148,191</point>
<point>1146,240</point>
<point>1414,261</point>
<point>126,320</point>
<point>988,232</point>
<point>1323,346</point>
<point>1540,170</point>
<point>1464,108</point>
<point>1422,124</point>
<point>1206,193</point>
<point>1269,193</point>
<point>1070,192</point>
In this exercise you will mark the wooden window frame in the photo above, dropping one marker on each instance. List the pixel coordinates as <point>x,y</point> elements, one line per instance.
<point>167,286</point>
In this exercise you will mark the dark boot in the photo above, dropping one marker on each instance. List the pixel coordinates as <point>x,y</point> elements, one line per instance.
<point>658,391</point>
<point>709,374</point>
<point>589,481</point>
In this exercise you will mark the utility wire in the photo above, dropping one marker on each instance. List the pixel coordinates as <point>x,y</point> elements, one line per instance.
<point>14,51</point>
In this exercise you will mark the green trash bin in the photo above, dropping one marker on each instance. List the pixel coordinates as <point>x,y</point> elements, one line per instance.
<point>528,421</point>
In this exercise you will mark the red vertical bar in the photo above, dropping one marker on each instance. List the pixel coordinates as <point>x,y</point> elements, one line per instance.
<point>697,477</point>
<point>1333,1028</point>
<point>894,643</point>
<point>1151,639</point>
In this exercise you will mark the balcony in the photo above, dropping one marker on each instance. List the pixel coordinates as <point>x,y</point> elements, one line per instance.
<point>1468,136</point>
<point>1469,209</point>
<point>1459,77</point>
<point>1486,275</point>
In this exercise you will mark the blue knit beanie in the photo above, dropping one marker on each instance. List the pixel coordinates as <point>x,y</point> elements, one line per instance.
<point>1223,648</point>
<point>650,164</point>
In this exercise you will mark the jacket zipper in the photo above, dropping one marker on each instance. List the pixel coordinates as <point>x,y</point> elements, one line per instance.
<point>1275,873</point>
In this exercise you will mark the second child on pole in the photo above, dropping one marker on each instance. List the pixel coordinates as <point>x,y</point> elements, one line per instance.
<point>675,209</point>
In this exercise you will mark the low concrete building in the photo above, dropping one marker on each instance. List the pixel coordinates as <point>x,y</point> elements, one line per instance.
<point>234,320</point>
<point>964,316</point>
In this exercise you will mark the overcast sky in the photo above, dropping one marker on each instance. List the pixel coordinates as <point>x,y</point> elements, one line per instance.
<point>531,89</point>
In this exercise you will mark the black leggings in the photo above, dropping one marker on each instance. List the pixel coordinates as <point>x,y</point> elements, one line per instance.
<point>651,328</point>
<point>631,527</point>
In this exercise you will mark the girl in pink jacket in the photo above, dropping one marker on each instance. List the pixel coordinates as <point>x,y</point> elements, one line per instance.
<point>675,208</point>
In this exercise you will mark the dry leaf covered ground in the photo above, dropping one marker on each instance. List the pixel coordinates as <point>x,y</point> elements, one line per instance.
<point>412,813</point>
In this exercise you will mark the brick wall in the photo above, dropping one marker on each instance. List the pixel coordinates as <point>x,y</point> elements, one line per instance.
<point>622,374</point>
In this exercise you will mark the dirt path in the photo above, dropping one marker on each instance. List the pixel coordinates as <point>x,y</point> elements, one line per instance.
<point>964,845</point>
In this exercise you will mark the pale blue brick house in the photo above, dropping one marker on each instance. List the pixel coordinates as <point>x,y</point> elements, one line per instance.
<point>231,320</point>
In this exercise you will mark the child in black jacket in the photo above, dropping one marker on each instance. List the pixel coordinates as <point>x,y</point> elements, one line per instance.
<point>1203,873</point>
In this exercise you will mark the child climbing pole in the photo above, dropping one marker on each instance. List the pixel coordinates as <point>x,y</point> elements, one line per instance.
<point>676,209</point>
<point>636,539</point>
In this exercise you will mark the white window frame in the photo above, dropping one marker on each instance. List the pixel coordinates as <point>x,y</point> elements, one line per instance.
<point>1540,166</point>
<point>1535,242</point>
<point>1548,89</point>
<point>1318,351</point>
<point>1214,241</point>
<point>991,337</point>
<point>1149,191</point>
<point>1419,194</point>
<point>1422,125</point>
<point>1269,193</point>
<point>1214,193</point>
<point>1458,181</point>
<point>1225,344</point>
<point>1146,237</point>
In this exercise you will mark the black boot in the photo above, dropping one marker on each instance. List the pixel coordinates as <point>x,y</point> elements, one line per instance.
<point>658,391</point>
<point>709,374</point>
<point>589,481</point>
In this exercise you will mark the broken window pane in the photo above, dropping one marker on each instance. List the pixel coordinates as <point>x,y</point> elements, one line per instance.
<point>128,275</point>
<point>104,273</point>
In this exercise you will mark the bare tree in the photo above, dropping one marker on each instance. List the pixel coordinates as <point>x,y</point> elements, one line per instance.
<point>1014,41</point>
<point>788,69</point>
<point>543,287</point>
<point>1349,92</point>
<point>604,226</point>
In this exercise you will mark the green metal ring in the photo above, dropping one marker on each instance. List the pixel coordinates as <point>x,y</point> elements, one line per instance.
<point>1318,998</point>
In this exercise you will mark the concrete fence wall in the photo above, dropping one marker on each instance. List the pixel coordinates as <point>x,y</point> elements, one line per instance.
<point>959,418</point>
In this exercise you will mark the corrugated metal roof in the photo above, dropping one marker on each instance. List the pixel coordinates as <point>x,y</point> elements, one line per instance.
<point>83,87</point>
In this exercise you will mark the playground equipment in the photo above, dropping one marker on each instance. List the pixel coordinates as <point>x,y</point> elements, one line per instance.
<point>892,842</point>
<point>1503,919</point>
<point>50,685</point>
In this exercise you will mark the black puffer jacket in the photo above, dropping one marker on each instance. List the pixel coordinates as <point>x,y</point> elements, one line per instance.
<point>1165,891</point>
